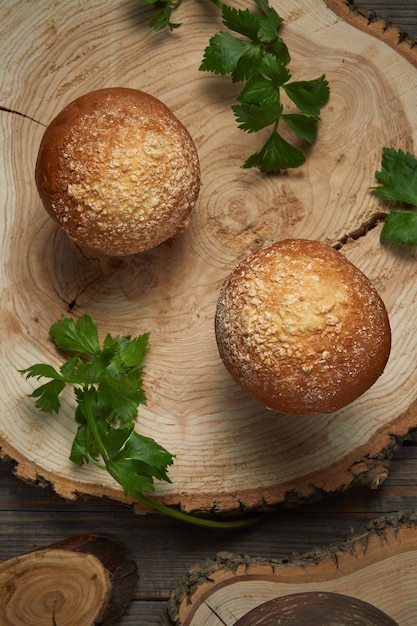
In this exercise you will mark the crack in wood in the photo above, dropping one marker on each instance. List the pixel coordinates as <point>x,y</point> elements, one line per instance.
<point>99,274</point>
<point>14,112</point>
<point>368,225</point>
<point>216,614</point>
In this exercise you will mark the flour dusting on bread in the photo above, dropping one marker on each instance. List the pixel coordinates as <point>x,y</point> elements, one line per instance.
<point>118,171</point>
<point>301,328</point>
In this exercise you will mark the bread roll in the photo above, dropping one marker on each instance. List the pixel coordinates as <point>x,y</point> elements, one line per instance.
<point>315,608</point>
<point>302,329</point>
<point>118,171</point>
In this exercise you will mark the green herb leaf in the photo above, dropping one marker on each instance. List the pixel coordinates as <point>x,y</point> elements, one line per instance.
<point>48,396</point>
<point>248,64</point>
<point>80,445</point>
<point>270,22</point>
<point>41,370</point>
<point>69,369</point>
<point>243,22</point>
<point>254,117</point>
<point>133,351</point>
<point>223,53</point>
<point>275,70</point>
<point>399,184</point>
<point>162,18</point>
<point>400,227</point>
<point>275,154</point>
<point>269,12</point>
<point>303,125</point>
<point>309,96</point>
<point>268,27</point>
<point>398,176</point>
<point>125,393</point>
<point>80,336</point>
<point>135,460</point>
<point>258,89</point>
<point>280,50</point>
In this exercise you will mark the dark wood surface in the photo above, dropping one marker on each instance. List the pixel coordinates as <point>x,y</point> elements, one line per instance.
<point>32,517</point>
<point>401,13</point>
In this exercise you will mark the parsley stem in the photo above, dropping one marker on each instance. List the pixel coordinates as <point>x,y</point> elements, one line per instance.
<point>199,521</point>
<point>88,392</point>
<point>96,463</point>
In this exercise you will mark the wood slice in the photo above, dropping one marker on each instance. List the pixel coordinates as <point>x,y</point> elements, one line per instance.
<point>83,580</point>
<point>378,566</point>
<point>231,454</point>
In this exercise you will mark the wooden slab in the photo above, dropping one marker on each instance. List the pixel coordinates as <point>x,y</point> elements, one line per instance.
<point>378,566</point>
<point>231,454</point>
<point>83,580</point>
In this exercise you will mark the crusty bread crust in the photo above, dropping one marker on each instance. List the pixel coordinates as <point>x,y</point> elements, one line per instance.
<point>118,171</point>
<point>302,329</point>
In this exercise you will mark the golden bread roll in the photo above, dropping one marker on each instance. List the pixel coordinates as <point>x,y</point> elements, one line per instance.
<point>302,329</point>
<point>118,171</point>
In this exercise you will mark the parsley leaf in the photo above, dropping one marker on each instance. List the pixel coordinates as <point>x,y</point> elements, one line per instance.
<point>80,336</point>
<point>274,150</point>
<point>245,23</point>
<point>254,117</point>
<point>398,178</point>
<point>224,53</point>
<point>162,17</point>
<point>400,227</point>
<point>108,388</point>
<point>303,124</point>
<point>134,460</point>
<point>309,95</point>
<point>48,396</point>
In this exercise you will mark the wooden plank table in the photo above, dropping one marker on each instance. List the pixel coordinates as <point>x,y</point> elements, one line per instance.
<point>32,516</point>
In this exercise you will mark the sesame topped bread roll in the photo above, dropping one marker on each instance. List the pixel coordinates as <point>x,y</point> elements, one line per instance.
<point>302,329</point>
<point>118,171</point>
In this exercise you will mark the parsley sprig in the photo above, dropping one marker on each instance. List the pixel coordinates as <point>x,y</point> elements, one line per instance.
<point>108,388</point>
<point>260,59</point>
<point>398,178</point>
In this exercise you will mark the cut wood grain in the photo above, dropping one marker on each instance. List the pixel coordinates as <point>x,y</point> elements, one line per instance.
<point>83,580</point>
<point>231,454</point>
<point>378,566</point>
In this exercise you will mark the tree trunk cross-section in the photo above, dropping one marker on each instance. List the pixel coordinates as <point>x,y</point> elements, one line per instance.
<point>378,566</point>
<point>230,453</point>
<point>84,580</point>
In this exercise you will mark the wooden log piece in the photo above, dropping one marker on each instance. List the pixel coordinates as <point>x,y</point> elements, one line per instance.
<point>230,453</point>
<point>377,566</point>
<point>84,580</point>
